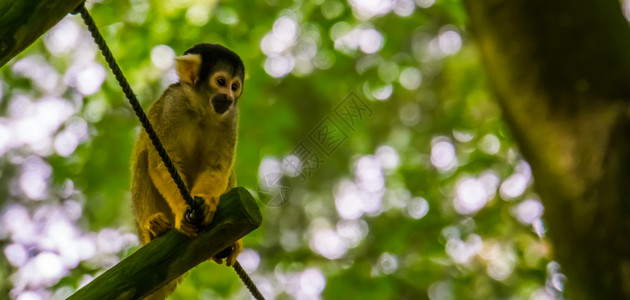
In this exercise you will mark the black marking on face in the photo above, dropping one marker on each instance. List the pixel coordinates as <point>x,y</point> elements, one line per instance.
<point>221,103</point>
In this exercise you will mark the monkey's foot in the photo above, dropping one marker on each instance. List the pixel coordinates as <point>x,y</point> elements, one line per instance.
<point>157,225</point>
<point>230,254</point>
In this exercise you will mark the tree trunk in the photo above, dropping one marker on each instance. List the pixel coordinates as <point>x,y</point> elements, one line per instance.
<point>561,72</point>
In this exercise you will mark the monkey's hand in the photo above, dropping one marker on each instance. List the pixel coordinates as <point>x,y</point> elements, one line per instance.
<point>156,225</point>
<point>229,253</point>
<point>188,221</point>
<point>183,224</point>
<point>209,207</point>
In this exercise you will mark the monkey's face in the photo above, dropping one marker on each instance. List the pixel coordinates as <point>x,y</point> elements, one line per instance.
<point>216,73</point>
<point>225,90</point>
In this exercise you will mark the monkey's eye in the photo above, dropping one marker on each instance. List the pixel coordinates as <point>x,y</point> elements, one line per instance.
<point>221,82</point>
<point>234,87</point>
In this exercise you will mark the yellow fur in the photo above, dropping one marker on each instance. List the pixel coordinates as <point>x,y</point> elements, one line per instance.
<point>200,142</point>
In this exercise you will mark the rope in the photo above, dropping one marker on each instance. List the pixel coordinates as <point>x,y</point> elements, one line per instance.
<point>247,281</point>
<point>98,38</point>
<point>195,214</point>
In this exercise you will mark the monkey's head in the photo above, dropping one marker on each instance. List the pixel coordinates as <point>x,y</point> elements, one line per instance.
<point>215,72</point>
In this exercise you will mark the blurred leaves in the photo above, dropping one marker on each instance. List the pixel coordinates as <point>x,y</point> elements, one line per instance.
<point>382,253</point>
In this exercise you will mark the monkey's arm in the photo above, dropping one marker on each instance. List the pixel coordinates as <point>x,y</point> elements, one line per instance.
<point>164,183</point>
<point>169,117</point>
<point>232,180</point>
<point>146,200</point>
<point>213,179</point>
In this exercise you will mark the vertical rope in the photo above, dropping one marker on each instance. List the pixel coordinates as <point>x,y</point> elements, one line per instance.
<point>195,203</point>
<point>111,62</point>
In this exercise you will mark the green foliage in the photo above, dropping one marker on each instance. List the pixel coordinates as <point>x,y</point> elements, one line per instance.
<point>390,249</point>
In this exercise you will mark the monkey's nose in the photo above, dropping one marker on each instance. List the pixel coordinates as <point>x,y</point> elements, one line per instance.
<point>221,103</point>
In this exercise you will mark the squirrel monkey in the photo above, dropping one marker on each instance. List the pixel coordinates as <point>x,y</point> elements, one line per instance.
<point>196,120</point>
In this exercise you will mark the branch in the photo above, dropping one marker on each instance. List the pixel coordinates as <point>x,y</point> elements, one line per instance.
<point>23,21</point>
<point>173,254</point>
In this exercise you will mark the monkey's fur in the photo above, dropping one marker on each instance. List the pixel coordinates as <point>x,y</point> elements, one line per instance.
<point>196,120</point>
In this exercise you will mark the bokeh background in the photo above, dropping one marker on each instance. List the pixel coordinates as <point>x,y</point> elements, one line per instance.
<point>420,193</point>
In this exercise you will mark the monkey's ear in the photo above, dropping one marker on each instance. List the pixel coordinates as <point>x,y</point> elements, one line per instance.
<point>188,67</point>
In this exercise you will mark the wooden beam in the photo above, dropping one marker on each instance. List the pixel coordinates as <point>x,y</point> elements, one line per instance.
<point>23,21</point>
<point>173,254</point>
